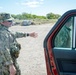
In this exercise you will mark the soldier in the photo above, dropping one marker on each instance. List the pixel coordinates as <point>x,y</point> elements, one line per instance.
<point>63,38</point>
<point>9,47</point>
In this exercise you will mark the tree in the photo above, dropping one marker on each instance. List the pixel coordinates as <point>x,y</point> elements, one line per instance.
<point>52,16</point>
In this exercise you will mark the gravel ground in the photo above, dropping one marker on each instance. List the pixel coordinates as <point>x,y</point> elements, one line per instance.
<point>32,59</point>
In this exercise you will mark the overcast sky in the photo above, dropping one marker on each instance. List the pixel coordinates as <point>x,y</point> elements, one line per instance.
<point>37,7</point>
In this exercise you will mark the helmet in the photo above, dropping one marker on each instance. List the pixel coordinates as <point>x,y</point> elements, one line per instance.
<point>5,16</point>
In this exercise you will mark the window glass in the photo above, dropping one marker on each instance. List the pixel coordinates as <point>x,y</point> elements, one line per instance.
<point>64,37</point>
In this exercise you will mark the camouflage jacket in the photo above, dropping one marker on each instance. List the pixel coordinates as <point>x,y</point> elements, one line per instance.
<point>6,41</point>
<point>63,38</point>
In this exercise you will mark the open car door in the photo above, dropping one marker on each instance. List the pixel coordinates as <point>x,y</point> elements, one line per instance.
<point>60,46</point>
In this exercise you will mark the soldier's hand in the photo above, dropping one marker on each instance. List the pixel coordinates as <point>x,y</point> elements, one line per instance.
<point>12,70</point>
<point>33,34</point>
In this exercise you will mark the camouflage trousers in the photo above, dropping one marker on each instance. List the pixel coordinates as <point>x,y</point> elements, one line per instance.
<point>18,71</point>
<point>4,70</point>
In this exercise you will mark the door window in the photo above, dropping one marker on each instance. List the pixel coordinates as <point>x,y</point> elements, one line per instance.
<point>64,37</point>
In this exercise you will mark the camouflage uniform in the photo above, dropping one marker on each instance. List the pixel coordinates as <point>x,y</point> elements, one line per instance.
<point>63,38</point>
<point>9,50</point>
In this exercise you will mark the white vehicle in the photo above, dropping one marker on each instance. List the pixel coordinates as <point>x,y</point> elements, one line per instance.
<point>26,22</point>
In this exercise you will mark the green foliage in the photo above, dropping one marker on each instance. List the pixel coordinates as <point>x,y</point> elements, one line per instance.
<point>32,16</point>
<point>52,16</point>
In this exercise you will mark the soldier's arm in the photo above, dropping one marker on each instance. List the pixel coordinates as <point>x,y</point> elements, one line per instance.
<point>20,35</point>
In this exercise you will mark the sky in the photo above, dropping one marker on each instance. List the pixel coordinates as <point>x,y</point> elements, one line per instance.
<point>37,7</point>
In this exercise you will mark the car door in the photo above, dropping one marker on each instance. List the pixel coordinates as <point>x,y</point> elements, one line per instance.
<point>60,46</point>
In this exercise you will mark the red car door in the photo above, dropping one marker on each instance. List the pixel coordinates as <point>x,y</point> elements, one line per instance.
<point>60,46</point>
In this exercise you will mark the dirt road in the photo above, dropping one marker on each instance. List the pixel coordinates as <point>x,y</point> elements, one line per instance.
<point>31,59</point>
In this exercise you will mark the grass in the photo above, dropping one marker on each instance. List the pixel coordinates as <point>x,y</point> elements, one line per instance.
<point>43,21</point>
